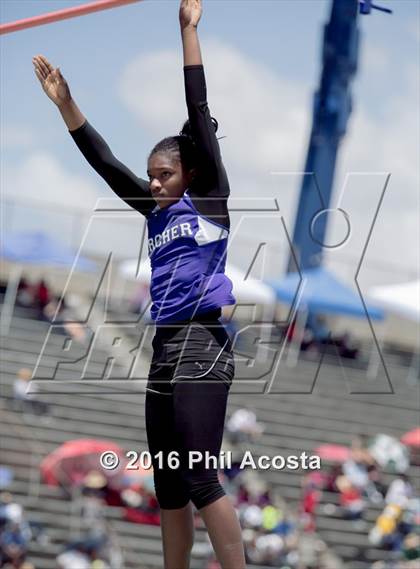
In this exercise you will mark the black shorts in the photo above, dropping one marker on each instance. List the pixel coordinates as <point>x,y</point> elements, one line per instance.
<point>186,399</point>
<point>199,349</point>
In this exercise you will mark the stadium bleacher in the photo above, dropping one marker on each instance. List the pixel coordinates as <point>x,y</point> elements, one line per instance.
<point>294,422</point>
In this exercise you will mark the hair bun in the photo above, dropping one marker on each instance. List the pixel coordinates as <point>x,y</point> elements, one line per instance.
<point>186,129</point>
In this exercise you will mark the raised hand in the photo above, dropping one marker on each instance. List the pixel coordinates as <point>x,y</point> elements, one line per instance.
<point>53,83</point>
<point>189,13</point>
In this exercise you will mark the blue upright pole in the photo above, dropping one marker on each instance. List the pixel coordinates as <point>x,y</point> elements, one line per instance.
<point>331,111</point>
<point>332,108</point>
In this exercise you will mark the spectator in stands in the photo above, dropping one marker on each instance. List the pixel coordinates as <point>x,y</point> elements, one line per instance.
<point>100,564</point>
<point>141,504</point>
<point>73,558</point>
<point>382,534</point>
<point>321,330</point>
<point>355,469</point>
<point>242,496</point>
<point>347,346</point>
<point>316,332</point>
<point>411,547</point>
<point>93,502</point>
<point>20,385</point>
<point>251,516</point>
<point>270,546</point>
<point>97,544</point>
<point>356,473</point>
<point>23,401</point>
<point>24,294</point>
<point>375,489</point>
<point>331,476</point>
<point>55,310</point>
<point>10,511</point>
<point>249,537</point>
<point>286,527</point>
<point>351,499</point>
<point>311,496</point>
<point>270,517</point>
<point>400,491</point>
<point>64,319</point>
<point>265,498</point>
<point>271,534</point>
<point>12,514</point>
<point>96,485</point>
<point>243,426</point>
<point>13,545</point>
<point>41,297</point>
<point>89,553</point>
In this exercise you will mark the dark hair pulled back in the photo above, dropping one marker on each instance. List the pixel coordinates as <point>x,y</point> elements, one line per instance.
<point>182,147</point>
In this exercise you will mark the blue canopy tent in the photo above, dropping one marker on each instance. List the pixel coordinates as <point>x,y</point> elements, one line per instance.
<point>321,292</point>
<point>40,249</point>
<point>36,248</point>
<point>317,291</point>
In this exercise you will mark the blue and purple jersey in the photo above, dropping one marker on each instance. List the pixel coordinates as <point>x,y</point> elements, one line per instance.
<point>188,255</point>
<point>187,240</point>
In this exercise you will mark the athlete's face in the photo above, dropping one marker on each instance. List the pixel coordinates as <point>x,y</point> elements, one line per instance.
<point>167,178</point>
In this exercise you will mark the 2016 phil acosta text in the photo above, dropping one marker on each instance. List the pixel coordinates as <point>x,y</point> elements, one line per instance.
<point>224,460</point>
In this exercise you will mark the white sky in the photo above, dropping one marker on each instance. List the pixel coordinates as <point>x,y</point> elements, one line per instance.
<point>262,62</point>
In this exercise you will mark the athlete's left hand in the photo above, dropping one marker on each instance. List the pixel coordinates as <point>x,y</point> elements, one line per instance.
<point>189,13</point>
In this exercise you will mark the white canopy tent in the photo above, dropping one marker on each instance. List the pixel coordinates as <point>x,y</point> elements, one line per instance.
<point>402,300</point>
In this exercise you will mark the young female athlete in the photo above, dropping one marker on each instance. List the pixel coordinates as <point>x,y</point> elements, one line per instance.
<point>185,204</point>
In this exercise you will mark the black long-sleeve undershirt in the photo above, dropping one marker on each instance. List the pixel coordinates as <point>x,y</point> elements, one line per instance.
<point>209,190</point>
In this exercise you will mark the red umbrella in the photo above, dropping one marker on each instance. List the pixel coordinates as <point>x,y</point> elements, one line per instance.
<point>70,462</point>
<point>412,438</point>
<point>333,453</point>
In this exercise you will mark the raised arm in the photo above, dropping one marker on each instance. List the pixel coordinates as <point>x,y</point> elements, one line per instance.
<point>133,190</point>
<point>189,16</point>
<point>121,180</point>
<point>213,180</point>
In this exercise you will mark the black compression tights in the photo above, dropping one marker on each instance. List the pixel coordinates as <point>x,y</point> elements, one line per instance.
<point>191,419</point>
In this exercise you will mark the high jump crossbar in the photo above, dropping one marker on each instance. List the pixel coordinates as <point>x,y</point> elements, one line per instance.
<point>62,15</point>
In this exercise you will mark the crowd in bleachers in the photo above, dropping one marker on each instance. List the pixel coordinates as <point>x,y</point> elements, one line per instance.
<point>49,307</point>
<point>96,548</point>
<point>318,337</point>
<point>359,481</point>
<point>90,553</point>
<point>271,529</point>
<point>35,295</point>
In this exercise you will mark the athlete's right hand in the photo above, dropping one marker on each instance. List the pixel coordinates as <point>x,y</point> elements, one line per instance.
<point>53,83</point>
